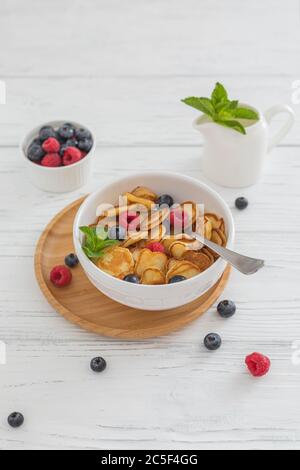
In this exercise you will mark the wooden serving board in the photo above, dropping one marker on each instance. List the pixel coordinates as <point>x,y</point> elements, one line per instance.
<point>84,305</point>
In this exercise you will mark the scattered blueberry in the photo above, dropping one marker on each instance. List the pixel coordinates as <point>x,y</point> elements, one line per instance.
<point>46,132</point>
<point>66,131</point>
<point>241,203</point>
<point>85,145</point>
<point>226,308</point>
<point>71,260</point>
<point>15,420</point>
<point>117,233</point>
<point>165,199</point>
<point>212,341</point>
<point>35,152</point>
<point>98,364</point>
<point>82,134</point>
<point>177,278</point>
<point>132,278</point>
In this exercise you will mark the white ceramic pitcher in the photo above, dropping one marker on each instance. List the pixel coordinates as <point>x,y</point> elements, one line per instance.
<point>236,160</point>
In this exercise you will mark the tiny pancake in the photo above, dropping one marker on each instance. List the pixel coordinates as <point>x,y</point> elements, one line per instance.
<point>117,261</point>
<point>144,193</point>
<point>199,259</point>
<point>207,228</point>
<point>134,238</point>
<point>218,237</point>
<point>183,268</point>
<point>149,259</point>
<point>157,233</point>
<point>136,253</point>
<point>192,210</point>
<point>208,253</point>
<point>171,263</point>
<point>222,236</point>
<point>152,276</point>
<point>215,220</point>
<point>177,249</point>
<point>139,200</point>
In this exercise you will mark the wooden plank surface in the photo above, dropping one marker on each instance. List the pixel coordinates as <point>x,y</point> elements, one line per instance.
<point>121,69</point>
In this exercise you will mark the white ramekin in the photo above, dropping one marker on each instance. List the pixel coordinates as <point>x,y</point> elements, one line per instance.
<point>61,179</point>
<point>160,297</point>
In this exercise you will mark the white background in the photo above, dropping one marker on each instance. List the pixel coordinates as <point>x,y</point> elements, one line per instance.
<point>121,68</point>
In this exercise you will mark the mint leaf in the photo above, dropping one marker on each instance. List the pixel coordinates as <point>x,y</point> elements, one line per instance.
<point>202,104</point>
<point>94,246</point>
<point>222,110</point>
<point>219,94</point>
<point>245,113</point>
<point>232,124</point>
<point>233,104</point>
<point>90,236</point>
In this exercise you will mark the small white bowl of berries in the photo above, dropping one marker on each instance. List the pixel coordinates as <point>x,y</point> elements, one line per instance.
<point>59,155</point>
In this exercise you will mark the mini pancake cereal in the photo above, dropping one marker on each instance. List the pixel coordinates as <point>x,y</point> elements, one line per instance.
<point>147,239</point>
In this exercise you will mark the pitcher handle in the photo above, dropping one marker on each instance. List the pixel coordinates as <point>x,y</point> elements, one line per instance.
<point>269,115</point>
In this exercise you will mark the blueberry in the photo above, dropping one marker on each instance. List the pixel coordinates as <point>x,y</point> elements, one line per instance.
<point>117,233</point>
<point>82,134</point>
<point>165,199</point>
<point>71,143</point>
<point>226,308</point>
<point>85,145</point>
<point>212,341</point>
<point>71,260</point>
<point>46,132</point>
<point>15,420</point>
<point>132,278</point>
<point>241,203</point>
<point>35,152</point>
<point>98,364</point>
<point>62,149</point>
<point>177,278</point>
<point>66,131</point>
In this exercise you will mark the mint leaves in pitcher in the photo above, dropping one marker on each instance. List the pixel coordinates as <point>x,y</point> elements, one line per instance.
<point>223,111</point>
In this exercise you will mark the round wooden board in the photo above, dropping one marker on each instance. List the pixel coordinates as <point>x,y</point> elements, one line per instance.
<point>84,305</point>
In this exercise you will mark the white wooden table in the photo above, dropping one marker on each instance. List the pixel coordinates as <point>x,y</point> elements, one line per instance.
<point>122,68</point>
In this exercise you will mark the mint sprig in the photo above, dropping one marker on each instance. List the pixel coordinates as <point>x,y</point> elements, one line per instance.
<point>222,110</point>
<point>94,245</point>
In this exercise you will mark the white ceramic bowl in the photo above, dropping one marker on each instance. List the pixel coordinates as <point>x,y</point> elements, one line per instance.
<point>61,179</point>
<point>160,297</point>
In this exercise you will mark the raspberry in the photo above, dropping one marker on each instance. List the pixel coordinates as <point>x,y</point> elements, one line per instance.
<point>51,145</point>
<point>130,220</point>
<point>51,160</point>
<point>60,276</point>
<point>83,154</point>
<point>258,364</point>
<point>178,218</point>
<point>156,246</point>
<point>71,155</point>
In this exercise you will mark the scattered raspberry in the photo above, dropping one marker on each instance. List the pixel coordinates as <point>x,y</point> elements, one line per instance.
<point>51,160</point>
<point>83,154</point>
<point>51,145</point>
<point>258,364</point>
<point>71,155</point>
<point>61,276</point>
<point>156,246</point>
